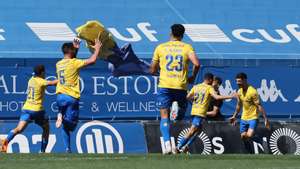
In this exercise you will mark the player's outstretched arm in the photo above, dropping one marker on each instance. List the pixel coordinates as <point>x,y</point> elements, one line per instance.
<point>194,59</point>
<point>219,97</point>
<point>52,83</point>
<point>94,56</point>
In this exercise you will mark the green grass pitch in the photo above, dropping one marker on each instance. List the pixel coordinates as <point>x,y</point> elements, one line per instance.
<point>153,161</point>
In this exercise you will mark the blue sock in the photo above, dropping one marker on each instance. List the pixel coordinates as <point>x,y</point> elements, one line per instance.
<point>66,138</point>
<point>165,129</point>
<point>182,142</point>
<point>44,145</point>
<point>191,140</point>
<point>10,136</point>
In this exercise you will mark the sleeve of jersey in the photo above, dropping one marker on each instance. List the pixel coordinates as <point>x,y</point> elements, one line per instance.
<point>79,63</point>
<point>211,90</point>
<point>43,82</point>
<point>190,49</point>
<point>192,92</point>
<point>156,55</point>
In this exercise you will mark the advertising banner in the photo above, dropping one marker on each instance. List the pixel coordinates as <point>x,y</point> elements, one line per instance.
<point>222,138</point>
<point>135,97</point>
<point>89,137</point>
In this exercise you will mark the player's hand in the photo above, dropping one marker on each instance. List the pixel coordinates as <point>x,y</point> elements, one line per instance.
<point>235,95</point>
<point>191,79</point>
<point>232,120</point>
<point>76,42</point>
<point>97,45</point>
<point>267,124</point>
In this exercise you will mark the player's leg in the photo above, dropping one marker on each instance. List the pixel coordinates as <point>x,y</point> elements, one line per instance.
<point>24,120</point>
<point>192,134</point>
<point>62,104</point>
<point>165,101</point>
<point>244,127</point>
<point>43,122</point>
<point>70,120</point>
<point>180,97</point>
<point>252,128</point>
<point>66,134</point>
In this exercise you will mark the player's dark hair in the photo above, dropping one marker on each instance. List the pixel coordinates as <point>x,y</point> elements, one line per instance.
<point>208,76</point>
<point>218,79</point>
<point>38,70</point>
<point>241,75</point>
<point>68,48</point>
<point>178,30</point>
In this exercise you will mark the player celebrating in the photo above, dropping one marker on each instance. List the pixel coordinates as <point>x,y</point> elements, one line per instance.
<point>122,61</point>
<point>172,59</point>
<point>33,109</point>
<point>68,90</point>
<point>214,108</point>
<point>201,95</point>
<point>248,98</point>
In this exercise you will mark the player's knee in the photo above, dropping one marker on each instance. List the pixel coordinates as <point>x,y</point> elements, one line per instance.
<point>249,134</point>
<point>164,113</point>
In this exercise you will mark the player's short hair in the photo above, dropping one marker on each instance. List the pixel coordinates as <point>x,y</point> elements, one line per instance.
<point>218,79</point>
<point>67,48</point>
<point>177,30</point>
<point>38,70</point>
<point>208,76</point>
<point>241,75</point>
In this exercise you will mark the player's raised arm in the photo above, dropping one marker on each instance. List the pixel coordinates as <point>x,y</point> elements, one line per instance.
<point>194,59</point>
<point>94,56</point>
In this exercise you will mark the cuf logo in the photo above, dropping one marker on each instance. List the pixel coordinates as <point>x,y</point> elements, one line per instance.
<point>99,137</point>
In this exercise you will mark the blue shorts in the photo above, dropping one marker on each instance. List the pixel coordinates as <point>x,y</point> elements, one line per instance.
<point>69,108</point>
<point>197,121</point>
<point>248,124</point>
<point>167,96</point>
<point>39,117</point>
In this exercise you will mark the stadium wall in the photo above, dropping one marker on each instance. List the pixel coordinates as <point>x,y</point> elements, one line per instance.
<point>144,137</point>
<point>134,97</point>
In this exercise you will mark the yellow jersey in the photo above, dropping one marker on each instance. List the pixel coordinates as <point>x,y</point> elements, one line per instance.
<point>202,96</point>
<point>95,30</point>
<point>249,100</point>
<point>35,94</point>
<point>173,59</point>
<point>67,71</point>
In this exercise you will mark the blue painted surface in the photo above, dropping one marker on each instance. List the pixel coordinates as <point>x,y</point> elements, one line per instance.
<point>21,42</point>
